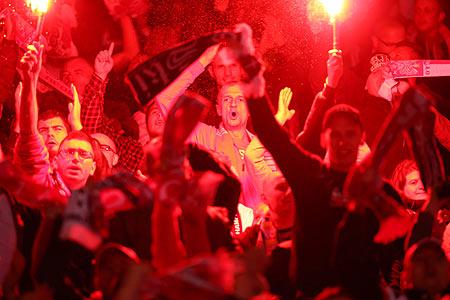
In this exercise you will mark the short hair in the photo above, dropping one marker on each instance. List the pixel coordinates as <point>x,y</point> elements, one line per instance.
<point>50,114</point>
<point>80,135</point>
<point>398,177</point>
<point>342,110</point>
<point>219,93</point>
<point>426,243</point>
<point>412,253</point>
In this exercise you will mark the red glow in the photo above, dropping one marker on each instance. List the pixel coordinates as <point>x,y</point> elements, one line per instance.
<point>333,7</point>
<point>38,6</point>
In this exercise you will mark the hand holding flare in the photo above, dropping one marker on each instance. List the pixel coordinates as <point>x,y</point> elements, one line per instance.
<point>39,7</point>
<point>333,8</point>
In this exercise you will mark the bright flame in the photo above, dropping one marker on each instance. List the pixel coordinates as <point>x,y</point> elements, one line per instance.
<point>38,6</point>
<point>333,7</point>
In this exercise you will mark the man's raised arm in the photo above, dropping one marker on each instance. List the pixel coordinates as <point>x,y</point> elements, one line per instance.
<point>30,151</point>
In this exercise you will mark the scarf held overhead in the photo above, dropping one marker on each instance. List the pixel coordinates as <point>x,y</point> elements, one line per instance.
<point>151,77</point>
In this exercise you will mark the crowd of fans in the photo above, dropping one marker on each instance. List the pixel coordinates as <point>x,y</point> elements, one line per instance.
<point>205,191</point>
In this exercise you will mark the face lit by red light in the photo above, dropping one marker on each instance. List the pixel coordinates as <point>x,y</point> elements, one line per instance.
<point>428,16</point>
<point>53,132</point>
<point>79,72</point>
<point>155,121</point>
<point>226,68</point>
<point>342,139</point>
<point>75,162</point>
<point>232,107</point>
<point>413,189</point>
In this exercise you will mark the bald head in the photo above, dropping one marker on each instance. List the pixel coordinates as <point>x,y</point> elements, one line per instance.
<point>232,106</point>
<point>77,71</point>
<point>108,148</point>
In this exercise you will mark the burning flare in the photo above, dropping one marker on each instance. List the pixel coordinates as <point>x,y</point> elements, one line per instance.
<point>38,6</point>
<point>333,7</point>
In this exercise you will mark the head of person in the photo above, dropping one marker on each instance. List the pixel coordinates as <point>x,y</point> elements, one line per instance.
<point>406,179</point>
<point>155,120</point>
<point>225,68</point>
<point>333,293</point>
<point>77,71</point>
<point>281,201</point>
<point>387,35</point>
<point>232,107</point>
<point>426,268</point>
<point>342,135</point>
<point>111,265</point>
<point>108,148</point>
<point>75,161</point>
<point>428,16</point>
<point>53,128</point>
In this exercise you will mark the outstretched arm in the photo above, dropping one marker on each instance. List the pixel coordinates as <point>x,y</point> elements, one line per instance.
<point>93,118</point>
<point>309,138</point>
<point>30,152</point>
<point>258,161</point>
<point>288,157</point>
<point>30,65</point>
<point>175,190</point>
<point>92,115</point>
<point>170,94</point>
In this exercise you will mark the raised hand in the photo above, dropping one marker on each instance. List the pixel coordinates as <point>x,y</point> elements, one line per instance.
<point>335,69</point>
<point>31,62</point>
<point>18,99</point>
<point>284,114</point>
<point>104,62</point>
<point>75,111</point>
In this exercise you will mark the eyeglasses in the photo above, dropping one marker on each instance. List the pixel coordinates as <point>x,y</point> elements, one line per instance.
<point>107,148</point>
<point>82,154</point>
